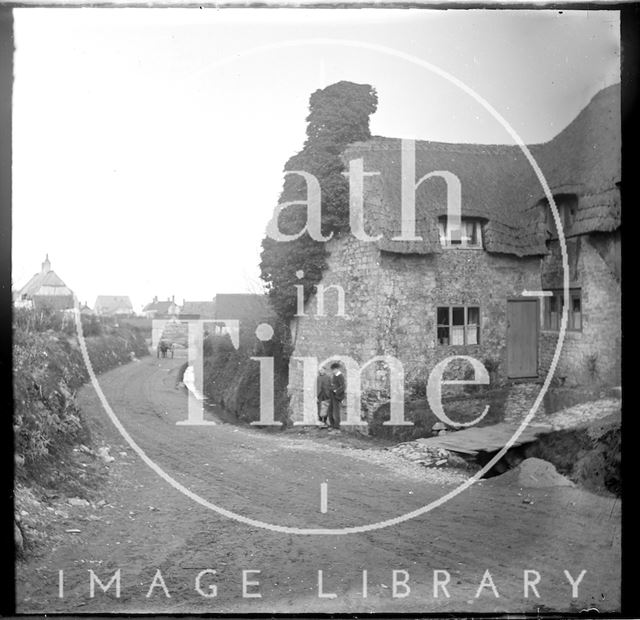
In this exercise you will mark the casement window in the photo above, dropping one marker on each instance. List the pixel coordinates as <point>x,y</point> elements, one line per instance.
<point>553,310</point>
<point>567,205</point>
<point>470,234</point>
<point>458,325</point>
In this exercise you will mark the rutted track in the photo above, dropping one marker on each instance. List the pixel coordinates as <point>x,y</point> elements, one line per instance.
<point>147,525</point>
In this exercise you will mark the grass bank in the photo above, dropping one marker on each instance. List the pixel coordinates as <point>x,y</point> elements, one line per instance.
<point>48,369</point>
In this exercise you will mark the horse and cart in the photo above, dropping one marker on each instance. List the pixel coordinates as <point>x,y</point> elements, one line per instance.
<point>165,348</point>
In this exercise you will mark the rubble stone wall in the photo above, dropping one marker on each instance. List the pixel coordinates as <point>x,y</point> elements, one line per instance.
<point>390,308</point>
<point>592,354</point>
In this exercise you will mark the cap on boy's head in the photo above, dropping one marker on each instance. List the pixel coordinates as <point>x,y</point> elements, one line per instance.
<point>335,365</point>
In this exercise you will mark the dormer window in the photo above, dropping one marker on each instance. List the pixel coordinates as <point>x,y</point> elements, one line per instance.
<point>567,205</point>
<point>470,234</point>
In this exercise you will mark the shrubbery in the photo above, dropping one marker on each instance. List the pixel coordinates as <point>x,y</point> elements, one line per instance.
<point>48,369</point>
<point>588,455</point>
<point>338,116</point>
<point>232,378</point>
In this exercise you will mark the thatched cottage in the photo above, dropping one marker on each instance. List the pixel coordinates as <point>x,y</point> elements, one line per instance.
<point>422,301</point>
<point>44,289</point>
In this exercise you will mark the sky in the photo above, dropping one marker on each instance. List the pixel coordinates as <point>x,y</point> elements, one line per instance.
<point>149,144</point>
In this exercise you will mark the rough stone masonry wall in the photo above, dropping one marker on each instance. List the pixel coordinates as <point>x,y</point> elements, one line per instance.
<point>391,301</point>
<point>594,274</point>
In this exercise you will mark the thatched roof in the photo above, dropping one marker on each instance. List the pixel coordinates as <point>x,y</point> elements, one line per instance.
<point>45,284</point>
<point>498,185</point>
<point>585,159</point>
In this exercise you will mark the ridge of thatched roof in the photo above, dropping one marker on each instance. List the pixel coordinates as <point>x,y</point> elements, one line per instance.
<point>498,184</point>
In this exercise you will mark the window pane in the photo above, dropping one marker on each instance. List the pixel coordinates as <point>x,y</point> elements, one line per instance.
<point>576,311</point>
<point>443,316</point>
<point>575,303</point>
<point>472,334</point>
<point>458,316</point>
<point>457,335</point>
<point>443,335</point>
<point>443,233</point>
<point>553,312</point>
<point>473,316</point>
<point>471,231</point>
<point>577,320</point>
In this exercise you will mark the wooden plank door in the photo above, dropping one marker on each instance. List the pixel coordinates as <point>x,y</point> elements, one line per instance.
<point>522,338</point>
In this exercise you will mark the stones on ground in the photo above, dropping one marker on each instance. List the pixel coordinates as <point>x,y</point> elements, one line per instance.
<point>585,413</point>
<point>439,428</point>
<point>78,501</point>
<point>428,456</point>
<point>104,455</point>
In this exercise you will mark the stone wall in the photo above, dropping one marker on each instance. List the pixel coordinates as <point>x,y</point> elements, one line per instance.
<point>390,307</point>
<point>593,354</point>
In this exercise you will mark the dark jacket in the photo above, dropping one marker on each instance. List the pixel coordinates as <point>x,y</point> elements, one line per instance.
<point>338,386</point>
<point>323,389</point>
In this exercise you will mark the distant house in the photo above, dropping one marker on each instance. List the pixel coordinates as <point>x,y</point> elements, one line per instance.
<point>161,309</point>
<point>248,309</point>
<point>86,310</point>
<point>44,289</point>
<point>198,310</point>
<point>113,305</point>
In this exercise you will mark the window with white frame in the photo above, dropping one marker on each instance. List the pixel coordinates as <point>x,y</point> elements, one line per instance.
<point>553,310</point>
<point>458,325</point>
<point>470,234</point>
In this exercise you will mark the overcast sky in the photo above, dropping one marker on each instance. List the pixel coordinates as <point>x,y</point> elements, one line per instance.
<point>149,144</point>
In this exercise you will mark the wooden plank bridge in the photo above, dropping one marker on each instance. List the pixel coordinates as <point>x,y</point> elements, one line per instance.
<point>485,438</point>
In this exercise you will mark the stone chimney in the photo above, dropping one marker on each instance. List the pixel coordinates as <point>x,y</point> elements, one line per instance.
<point>155,299</point>
<point>46,266</point>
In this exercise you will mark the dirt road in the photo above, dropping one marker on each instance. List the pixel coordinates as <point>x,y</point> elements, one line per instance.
<point>147,526</point>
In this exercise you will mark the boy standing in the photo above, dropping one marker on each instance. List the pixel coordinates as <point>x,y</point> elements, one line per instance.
<point>323,395</point>
<point>337,395</point>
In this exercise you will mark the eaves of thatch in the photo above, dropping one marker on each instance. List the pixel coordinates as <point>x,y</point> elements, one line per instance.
<point>498,184</point>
